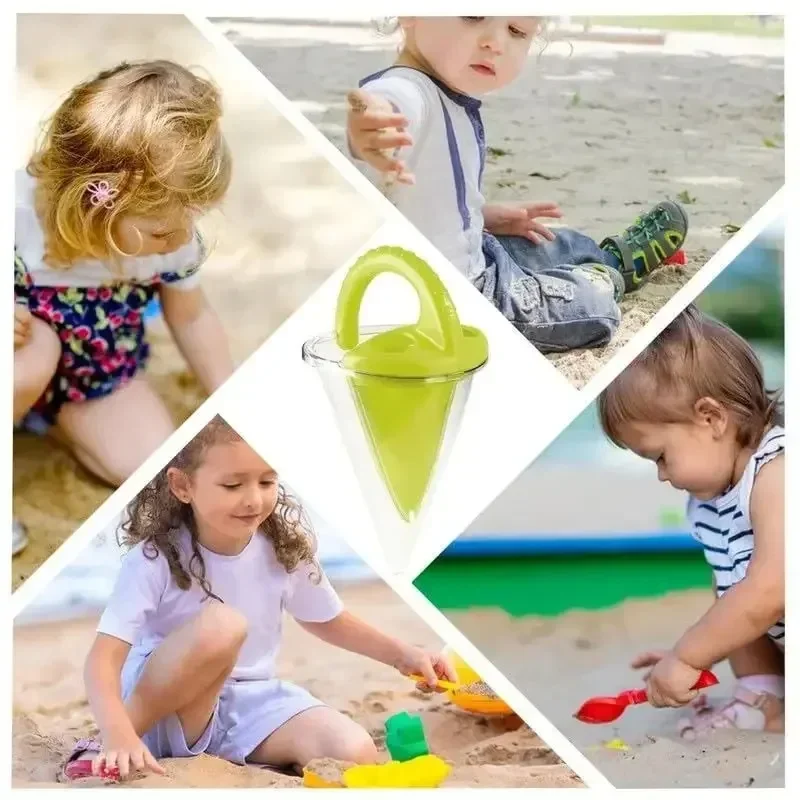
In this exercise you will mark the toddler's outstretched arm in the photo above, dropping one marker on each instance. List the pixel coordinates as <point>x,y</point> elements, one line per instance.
<point>198,334</point>
<point>375,131</point>
<point>122,746</point>
<point>350,633</point>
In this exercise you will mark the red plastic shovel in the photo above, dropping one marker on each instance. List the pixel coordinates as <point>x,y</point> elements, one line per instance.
<point>600,710</point>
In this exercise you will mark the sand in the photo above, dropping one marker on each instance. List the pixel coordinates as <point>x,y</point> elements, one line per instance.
<point>289,221</point>
<point>560,662</point>
<point>605,129</point>
<point>50,709</point>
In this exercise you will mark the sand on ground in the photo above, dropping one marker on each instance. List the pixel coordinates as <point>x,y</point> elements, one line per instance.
<point>290,219</point>
<point>559,662</point>
<point>605,129</point>
<point>51,712</point>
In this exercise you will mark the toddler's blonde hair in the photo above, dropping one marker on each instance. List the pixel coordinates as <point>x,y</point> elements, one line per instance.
<point>694,357</point>
<point>152,131</point>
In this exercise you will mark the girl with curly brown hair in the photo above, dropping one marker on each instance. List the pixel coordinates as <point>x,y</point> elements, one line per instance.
<point>184,659</point>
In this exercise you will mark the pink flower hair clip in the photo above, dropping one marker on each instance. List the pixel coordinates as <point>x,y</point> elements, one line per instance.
<point>102,194</point>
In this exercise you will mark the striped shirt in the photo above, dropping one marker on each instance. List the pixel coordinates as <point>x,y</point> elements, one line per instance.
<point>723,526</point>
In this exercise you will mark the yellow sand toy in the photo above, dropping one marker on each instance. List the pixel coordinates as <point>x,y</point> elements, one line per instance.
<point>423,772</point>
<point>471,693</point>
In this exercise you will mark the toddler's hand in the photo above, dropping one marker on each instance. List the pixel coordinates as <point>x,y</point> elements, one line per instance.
<point>670,681</point>
<point>432,666</point>
<point>376,132</point>
<point>128,754</point>
<point>519,219</point>
<point>22,325</point>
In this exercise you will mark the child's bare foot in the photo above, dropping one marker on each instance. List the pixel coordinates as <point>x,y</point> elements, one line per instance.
<point>747,711</point>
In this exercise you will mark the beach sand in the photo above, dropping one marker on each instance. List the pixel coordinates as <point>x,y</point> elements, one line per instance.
<point>560,662</point>
<point>288,222</point>
<point>604,129</point>
<point>50,709</point>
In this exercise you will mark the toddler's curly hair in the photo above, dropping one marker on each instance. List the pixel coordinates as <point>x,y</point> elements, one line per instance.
<point>151,130</point>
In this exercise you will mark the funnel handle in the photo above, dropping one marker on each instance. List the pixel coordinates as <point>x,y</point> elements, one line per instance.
<point>438,319</point>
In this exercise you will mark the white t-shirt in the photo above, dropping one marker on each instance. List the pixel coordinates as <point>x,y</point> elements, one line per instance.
<point>447,158</point>
<point>146,605</point>
<point>178,268</point>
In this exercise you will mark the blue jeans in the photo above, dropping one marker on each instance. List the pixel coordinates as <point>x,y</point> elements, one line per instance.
<point>560,295</point>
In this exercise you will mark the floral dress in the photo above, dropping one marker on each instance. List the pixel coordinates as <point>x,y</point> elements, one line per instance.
<point>98,316</point>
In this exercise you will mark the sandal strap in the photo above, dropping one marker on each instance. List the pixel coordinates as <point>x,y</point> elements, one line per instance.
<point>622,248</point>
<point>83,746</point>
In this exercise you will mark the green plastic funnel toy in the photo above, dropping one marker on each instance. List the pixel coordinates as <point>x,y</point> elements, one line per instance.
<point>406,387</point>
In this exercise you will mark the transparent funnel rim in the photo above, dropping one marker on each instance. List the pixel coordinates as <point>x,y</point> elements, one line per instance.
<point>322,352</point>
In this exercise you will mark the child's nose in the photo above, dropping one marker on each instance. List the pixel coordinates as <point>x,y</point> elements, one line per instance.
<point>491,40</point>
<point>252,499</point>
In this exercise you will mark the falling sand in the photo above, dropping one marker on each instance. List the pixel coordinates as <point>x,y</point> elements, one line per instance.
<point>558,662</point>
<point>51,712</point>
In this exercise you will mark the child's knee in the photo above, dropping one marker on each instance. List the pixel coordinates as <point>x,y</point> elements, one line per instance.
<point>220,632</point>
<point>359,747</point>
<point>351,744</point>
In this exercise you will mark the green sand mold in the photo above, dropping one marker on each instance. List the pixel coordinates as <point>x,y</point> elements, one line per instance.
<point>403,380</point>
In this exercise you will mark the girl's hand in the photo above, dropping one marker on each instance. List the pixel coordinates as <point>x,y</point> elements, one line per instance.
<point>128,753</point>
<point>519,219</point>
<point>670,681</point>
<point>376,132</point>
<point>22,325</point>
<point>432,666</point>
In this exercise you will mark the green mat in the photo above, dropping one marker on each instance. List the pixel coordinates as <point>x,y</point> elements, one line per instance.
<point>550,585</point>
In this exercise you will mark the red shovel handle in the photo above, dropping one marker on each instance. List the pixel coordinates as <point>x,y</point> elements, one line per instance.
<point>634,697</point>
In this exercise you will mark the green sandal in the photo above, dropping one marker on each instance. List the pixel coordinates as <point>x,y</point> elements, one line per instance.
<point>649,242</point>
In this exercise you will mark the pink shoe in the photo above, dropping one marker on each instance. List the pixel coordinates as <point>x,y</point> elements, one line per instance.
<point>746,711</point>
<point>79,763</point>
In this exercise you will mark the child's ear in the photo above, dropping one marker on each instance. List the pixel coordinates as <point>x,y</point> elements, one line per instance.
<point>179,484</point>
<point>710,413</point>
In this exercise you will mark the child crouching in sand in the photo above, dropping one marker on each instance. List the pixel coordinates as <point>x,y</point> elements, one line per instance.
<point>184,659</point>
<point>106,221</point>
<point>694,402</point>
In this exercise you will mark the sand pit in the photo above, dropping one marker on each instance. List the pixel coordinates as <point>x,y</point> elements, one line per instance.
<point>288,222</point>
<point>560,662</point>
<point>605,129</point>
<point>50,709</point>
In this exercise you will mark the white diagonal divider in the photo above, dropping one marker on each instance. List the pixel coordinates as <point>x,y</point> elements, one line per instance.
<point>111,508</point>
<point>768,213</point>
<point>290,111</point>
<point>449,633</point>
